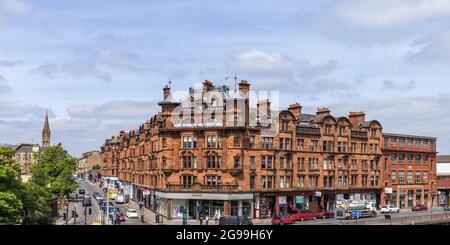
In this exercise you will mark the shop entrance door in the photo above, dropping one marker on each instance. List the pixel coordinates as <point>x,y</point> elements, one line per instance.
<point>191,209</point>
<point>204,207</point>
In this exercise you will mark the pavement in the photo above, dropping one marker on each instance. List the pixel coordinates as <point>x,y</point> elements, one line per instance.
<point>406,216</point>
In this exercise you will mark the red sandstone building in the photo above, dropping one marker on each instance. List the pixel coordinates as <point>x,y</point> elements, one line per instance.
<point>409,175</point>
<point>236,160</point>
<point>443,179</point>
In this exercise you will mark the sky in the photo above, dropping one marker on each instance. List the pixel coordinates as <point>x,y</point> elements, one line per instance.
<point>99,66</point>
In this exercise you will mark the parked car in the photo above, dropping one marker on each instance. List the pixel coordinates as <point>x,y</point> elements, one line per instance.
<point>325,214</point>
<point>446,208</point>
<point>303,214</point>
<point>120,217</point>
<point>389,209</point>
<point>235,220</point>
<point>132,213</point>
<point>81,191</point>
<point>282,220</point>
<point>419,207</point>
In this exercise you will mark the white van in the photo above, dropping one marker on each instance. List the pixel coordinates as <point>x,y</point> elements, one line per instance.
<point>120,198</point>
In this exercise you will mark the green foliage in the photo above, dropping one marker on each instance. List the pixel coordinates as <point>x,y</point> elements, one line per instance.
<point>96,167</point>
<point>10,208</point>
<point>31,202</point>
<point>10,187</point>
<point>54,169</point>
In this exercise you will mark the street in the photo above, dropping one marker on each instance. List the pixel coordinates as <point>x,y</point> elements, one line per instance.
<point>404,217</point>
<point>96,214</point>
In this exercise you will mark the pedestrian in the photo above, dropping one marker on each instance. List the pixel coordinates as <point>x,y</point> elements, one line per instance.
<point>206,218</point>
<point>142,217</point>
<point>216,216</point>
<point>201,217</point>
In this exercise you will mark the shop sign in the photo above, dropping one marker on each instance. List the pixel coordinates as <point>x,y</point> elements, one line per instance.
<point>282,200</point>
<point>318,194</point>
<point>388,190</point>
<point>299,199</point>
<point>146,192</point>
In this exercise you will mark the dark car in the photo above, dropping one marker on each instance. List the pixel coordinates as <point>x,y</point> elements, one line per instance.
<point>81,191</point>
<point>87,201</point>
<point>419,207</point>
<point>235,220</point>
<point>325,214</point>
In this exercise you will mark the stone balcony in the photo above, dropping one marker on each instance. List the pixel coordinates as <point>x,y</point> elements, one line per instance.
<point>201,187</point>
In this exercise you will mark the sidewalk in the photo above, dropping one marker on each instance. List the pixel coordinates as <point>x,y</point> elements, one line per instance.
<point>149,217</point>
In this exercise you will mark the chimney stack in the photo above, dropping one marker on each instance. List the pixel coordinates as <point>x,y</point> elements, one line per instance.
<point>296,109</point>
<point>323,111</point>
<point>207,86</point>
<point>264,107</point>
<point>244,89</point>
<point>356,118</point>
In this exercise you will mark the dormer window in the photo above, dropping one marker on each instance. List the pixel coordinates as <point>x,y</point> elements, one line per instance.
<point>284,126</point>
<point>341,130</point>
<point>327,129</point>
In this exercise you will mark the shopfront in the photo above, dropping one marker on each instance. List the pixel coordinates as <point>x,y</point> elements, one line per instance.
<point>410,198</point>
<point>266,206</point>
<point>402,198</point>
<point>212,204</point>
<point>418,196</point>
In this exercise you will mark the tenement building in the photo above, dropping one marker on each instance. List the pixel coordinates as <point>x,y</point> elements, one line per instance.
<point>409,170</point>
<point>213,153</point>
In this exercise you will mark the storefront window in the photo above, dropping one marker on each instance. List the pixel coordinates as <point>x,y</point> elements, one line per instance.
<point>247,208</point>
<point>177,207</point>
<point>216,208</point>
<point>410,198</point>
<point>418,196</point>
<point>234,208</point>
<point>402,198</point>
<point>394,198</point>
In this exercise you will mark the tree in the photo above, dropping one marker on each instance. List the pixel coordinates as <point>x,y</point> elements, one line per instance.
<point>96,167</point>
<point>10,187</point>
<point>53,170</point>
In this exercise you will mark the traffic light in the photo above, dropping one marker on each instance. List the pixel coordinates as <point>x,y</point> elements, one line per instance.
<point>64,216</point>
<point>73,213</point>
<point>90,211</point>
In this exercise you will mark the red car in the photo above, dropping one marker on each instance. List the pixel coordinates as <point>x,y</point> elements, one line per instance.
<point>324,214</point>
<point>304,214</point>
<point>419,207</point>
<point>120,217</point>
<point>282,220</point>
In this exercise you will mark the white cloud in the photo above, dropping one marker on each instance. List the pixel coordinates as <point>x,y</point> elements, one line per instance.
<point>388,13</point>
<point>119,109</point>
<point>275,71</point>
<point>75,69</point>
<point>398,86</point>
<point>16,7</point>
<point>21,109</point>
<point>434,47</point>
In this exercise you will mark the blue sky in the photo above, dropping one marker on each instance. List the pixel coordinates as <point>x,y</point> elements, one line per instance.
<point>80,59</point>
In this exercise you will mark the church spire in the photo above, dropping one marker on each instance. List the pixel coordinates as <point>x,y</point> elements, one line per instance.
<point>46,132</point>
